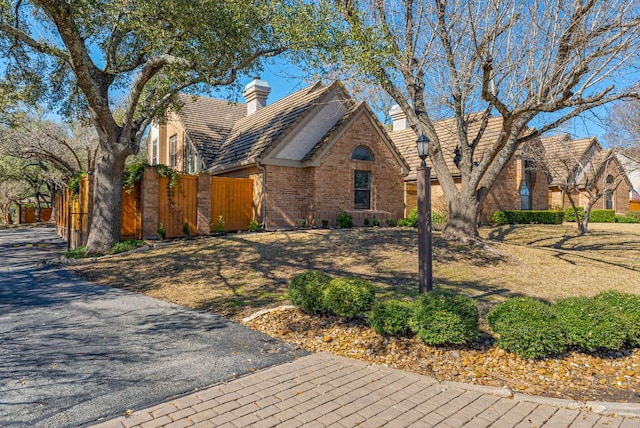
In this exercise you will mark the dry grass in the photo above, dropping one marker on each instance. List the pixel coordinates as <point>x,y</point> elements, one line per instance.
<point>239,274</point>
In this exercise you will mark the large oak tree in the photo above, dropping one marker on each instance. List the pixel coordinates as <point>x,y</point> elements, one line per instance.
<point>133,55</point>
<point>537,64</point>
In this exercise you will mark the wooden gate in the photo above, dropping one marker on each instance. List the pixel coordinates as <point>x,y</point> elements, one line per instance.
<point>179,205</point>
<point>232,198</point>
<point>634,205</point>
<point>131,223</point>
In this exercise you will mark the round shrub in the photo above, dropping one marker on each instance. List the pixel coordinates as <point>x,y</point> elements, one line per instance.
<point>590,323</point>
<point>527,327</point>
<point>305,291</point>
<point>391,317</point>
<point>348,297</point>
<point>628,307</point>
<point>439,318</point>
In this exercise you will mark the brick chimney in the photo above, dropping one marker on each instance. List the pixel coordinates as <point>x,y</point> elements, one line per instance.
<point>255,94</point>
<point>399,118</point>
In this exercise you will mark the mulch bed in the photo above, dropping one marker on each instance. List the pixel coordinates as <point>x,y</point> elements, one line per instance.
<point>603,376</point>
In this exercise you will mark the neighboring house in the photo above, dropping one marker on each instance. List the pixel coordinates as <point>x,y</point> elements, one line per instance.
<point>517,187</point>
<point>312,154</point>
<point>582,167</point>
<point>631,165</point>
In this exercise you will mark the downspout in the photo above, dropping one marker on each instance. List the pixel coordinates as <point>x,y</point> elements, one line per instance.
<point>264,193</point>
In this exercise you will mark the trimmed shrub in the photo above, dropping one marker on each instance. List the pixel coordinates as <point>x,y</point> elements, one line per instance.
<point>628,306</point>
<point>527,327</point>
<point>634,214</point>
<point>626,219</point>
<point>348,297</point>
<point>590,323</point>
<point>305,291</point>
<point>527,217</point>
<point>570,215</point>
<point>602,216</point>
<point>441,318</point>
<point>391,317</point>
<point>344,220</point>
<point>499,218</point>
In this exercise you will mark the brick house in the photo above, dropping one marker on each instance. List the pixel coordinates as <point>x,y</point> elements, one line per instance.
<point>567,161</point>
<point>517,187</point>
<point>311,155</point>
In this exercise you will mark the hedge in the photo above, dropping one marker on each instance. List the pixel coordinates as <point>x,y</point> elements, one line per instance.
<point>527,217</point>
<point>349,297</point>
<point>595,216</point>
<point>602,216</point>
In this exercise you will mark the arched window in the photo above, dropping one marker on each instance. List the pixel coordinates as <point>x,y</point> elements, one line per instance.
<point>608,194</point>
<point>361,153</point>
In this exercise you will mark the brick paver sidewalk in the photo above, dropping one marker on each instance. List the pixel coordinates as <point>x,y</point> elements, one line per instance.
<point>322,390</point>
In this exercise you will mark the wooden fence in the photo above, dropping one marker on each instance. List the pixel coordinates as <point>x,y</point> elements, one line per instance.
<point>28,214</point>
<point>231,198</point>
<point>634,205</point>
<point>178,206</point>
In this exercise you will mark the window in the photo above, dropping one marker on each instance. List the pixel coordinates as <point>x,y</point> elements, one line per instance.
<point>362,200</point>
<point>525,189</point>
<point>525,196</point>
<point>608,194</point>
<point>173,150</point>
<point>190,157</point>
<point>361,153</point>
<point>154,152</point>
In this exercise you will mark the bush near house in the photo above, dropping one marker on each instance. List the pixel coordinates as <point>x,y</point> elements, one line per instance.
<point>412,219</point>
<point>527,217</point>
<point>527,327</point>
<point>602,216</point>
<point>344,220</point>
<point>570,215</point>
<point>595,216</point>
<point>626,219</point>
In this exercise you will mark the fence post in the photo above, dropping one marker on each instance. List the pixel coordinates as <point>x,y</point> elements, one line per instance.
<point>204,204</point>
<point>149,203</point>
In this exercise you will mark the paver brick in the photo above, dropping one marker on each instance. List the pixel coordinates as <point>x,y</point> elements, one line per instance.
<point>157,422</point>
<point>180,423</point>
<point>562,417</point>
<point>585,420</point>
<point>538,417</point>
<point>514,415</point>
<point>137,418</point>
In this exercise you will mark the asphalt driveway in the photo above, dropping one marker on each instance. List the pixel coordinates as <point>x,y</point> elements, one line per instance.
<point>72,352</point>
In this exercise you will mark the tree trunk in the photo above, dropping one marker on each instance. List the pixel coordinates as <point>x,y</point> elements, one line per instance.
<point>583,224</point>
<point>462,222</point>
<point>104,229</point>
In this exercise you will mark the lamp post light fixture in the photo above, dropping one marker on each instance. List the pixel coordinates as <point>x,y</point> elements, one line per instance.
<point>425,283</point>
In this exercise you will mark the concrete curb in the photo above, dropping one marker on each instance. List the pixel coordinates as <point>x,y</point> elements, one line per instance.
<point>66,261</point>
<point>622,409</point>
<point>550,401</point>
<point>493,390</point>
<point>266,311</point>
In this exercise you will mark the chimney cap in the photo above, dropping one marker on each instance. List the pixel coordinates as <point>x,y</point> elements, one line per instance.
<point>257,83</point>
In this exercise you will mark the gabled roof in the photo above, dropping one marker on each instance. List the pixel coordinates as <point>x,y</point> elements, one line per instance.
<point>342,124</point>
<point>208,122</point>
<point>562,156</point>
<point>253,135</point>
<point>405,140</point>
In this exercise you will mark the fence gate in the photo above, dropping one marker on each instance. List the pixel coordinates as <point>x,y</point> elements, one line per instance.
<point>179,205</point>
<point>232,198</point>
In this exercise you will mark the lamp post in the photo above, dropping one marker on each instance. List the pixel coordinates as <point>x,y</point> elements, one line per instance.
<point>424,217</point>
